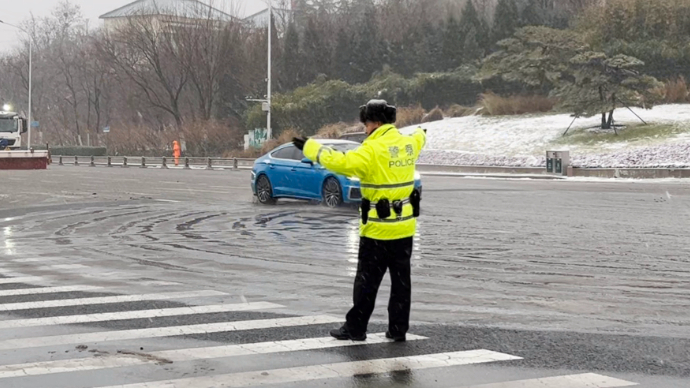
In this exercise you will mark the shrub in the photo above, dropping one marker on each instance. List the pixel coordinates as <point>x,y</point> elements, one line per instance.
<point>442,89</point>
<point>285,137</point>
<point>76,151</point>
<point>436,114</point>
<point>456,110</point>
<point>676,91</point>
<point>311,107</point>
<point>201,138</point>
<point>251,153</point>
<point>319,104</point>
<point>410,116</point>
<point>495,105</point>
<point>331,131</point>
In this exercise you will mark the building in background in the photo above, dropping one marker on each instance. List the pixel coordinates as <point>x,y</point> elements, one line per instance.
<point>166,13</point>
<point>283,13</point>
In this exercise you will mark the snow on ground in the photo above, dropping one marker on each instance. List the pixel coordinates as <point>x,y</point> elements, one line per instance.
<point>523,140</point>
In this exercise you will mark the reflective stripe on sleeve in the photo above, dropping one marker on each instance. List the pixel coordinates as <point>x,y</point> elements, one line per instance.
<point>318,155</point>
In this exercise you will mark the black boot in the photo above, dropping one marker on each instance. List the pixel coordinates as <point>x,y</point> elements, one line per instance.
<point>343,334</point>
<point>396,338</point>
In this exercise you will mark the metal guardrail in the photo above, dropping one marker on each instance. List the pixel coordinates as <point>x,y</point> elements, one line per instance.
<point>247,163</point>
<point>155,162</point>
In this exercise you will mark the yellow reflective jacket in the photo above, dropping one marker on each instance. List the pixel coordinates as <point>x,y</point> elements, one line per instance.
<point>385,164</point>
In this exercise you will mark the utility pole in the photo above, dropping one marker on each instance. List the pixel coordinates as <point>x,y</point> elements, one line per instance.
<point>31,50</point>
<point>270,35</point>
<point>266,103</point>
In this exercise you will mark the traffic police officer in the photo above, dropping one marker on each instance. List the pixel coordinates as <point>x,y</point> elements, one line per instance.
<point>385,164</point>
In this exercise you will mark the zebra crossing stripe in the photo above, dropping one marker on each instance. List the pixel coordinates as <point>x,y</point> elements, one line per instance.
<point>585,380</point>
<point>106,300</point>
<point>47,290</point>
<point>180,355</point>
<point>330,371</point>
<point>35,260</point>
<point>23,279</point>
<point>61,266</point>
<point>168,331</point>
<point>125,315</point>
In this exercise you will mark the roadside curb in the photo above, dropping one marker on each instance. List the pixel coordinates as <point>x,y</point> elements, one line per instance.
<point>542,173</point>
<point>495,176</point>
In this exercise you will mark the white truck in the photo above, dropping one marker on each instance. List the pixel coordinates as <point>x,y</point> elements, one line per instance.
<point>12,125</point>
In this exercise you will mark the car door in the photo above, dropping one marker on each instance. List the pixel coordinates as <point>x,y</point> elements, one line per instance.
<point>309,177</point>
<point>280,171</point>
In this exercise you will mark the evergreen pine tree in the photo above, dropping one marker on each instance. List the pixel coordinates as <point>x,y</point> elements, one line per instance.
<point>366,58</point>
<point>506,20</point>
<point>342,57</point>
<point>474,31</point>
<point>533,14</point>
<point>291,66</point>
<point>316,53</point>
<point>429,56</point>
<point>471,50</point>
<point>453,42</point>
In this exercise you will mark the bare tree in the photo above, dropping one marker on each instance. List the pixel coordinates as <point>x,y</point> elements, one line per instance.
<point>209,50</point>
<point>146,52</point>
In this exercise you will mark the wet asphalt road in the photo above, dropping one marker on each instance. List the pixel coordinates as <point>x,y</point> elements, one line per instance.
<point>573,278</point>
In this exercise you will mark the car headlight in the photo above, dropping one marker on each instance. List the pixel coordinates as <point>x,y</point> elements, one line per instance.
<point>353,179</point>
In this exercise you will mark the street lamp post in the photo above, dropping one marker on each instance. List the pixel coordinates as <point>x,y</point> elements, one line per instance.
<point>267,101</point>
<point>270,19</point>
<point>31,42</point>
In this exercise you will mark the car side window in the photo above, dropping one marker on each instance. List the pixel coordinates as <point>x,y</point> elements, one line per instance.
<point>298,154</point>
<point>285,153</point>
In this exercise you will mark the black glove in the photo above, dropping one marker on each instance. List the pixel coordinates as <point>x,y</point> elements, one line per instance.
<point>424,130</point>
<point>299,142</point>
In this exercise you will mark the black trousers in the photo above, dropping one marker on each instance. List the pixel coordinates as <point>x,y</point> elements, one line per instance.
<point>375,257</point>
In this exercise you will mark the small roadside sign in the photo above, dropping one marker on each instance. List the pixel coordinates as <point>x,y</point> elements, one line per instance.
<point>106,129</point>
<point>35,124</point>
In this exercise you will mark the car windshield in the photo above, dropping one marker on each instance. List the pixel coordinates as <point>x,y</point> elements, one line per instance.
<point>8,125</point>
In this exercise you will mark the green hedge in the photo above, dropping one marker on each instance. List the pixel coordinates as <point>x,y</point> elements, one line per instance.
<point>77,151</point>
<point>309,108</point>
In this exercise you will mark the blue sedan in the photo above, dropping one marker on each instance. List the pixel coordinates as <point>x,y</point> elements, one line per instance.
<point>285,173</point>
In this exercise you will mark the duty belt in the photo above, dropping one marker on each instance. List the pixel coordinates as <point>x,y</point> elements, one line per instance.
<point>383,209</point>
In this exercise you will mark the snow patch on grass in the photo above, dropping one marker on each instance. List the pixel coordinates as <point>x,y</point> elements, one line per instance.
<point>523,140</point>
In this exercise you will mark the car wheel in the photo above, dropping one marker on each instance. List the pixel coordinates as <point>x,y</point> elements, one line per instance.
<point>264,191</point>
<point>332,193</point>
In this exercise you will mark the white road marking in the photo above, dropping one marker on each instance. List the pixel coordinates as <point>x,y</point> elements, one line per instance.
<point>125,315</point>
<point>167,200</point>
<point>181,355</point>
<point>62,266</point>
<point>198,191</point>
<point>157,332</point>
<point>35,259</point>
<point>586,380</point>
<point>106,300</point>
<point>47,290</point>
<point>329,371</point>
<point>159,283</point>
<point>23,279</point>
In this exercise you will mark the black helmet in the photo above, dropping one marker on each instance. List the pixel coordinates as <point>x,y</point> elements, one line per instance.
<point>377,111</point>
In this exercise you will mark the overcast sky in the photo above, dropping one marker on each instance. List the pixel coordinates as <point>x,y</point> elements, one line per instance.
<point>14,11</point>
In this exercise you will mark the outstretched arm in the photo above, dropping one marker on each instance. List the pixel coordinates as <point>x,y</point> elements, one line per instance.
<point>419,137</point>
<point>352,163</point>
